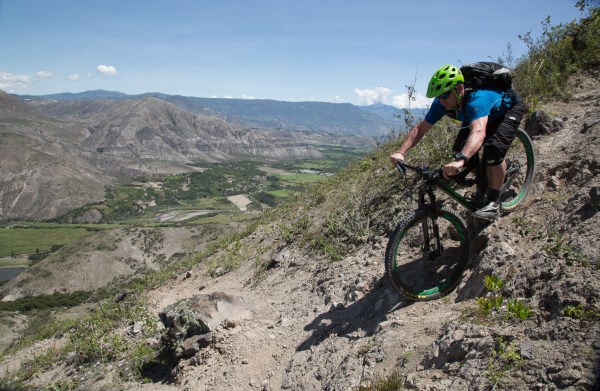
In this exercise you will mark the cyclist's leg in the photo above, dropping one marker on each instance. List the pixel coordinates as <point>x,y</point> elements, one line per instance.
<point>499,139</point>
<point>500,136</point>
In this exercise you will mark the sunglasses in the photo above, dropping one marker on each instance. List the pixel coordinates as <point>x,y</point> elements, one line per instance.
<point>445,95</point>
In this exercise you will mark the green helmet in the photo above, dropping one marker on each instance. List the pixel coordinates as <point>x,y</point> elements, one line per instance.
<point>444,79</point>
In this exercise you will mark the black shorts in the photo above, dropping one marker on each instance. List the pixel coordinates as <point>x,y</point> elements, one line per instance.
<point>499,135</point>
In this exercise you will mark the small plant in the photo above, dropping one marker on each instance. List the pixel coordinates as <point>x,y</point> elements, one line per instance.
<point>289,232</point>
<point>525,228</point>
<point>489,304</point>
<point>557,246</point>
<point>504,358</point>
<point>518,309</point>
<point>580,312</point>
<point>393,382</point>
<point>493,301</point>
<point>493,283</point>
<point>330,250</point>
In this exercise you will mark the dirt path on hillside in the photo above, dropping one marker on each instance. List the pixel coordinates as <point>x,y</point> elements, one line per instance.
<point>294,321</point>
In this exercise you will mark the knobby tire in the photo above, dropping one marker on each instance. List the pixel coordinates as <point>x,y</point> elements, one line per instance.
<point>418,276</point>
<point>521,152</point>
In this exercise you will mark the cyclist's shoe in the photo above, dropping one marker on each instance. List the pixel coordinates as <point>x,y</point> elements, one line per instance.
<point>476,198</point>
<point>488,212</point>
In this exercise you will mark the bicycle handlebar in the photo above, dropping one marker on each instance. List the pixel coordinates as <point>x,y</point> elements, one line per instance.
<point>429,173</point>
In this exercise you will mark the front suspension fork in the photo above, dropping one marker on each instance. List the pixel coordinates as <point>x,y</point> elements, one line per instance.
<point>432,247</point>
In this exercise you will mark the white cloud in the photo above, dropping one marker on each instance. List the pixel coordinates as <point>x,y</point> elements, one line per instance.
<point>43,75</point>
<point>244,96</point>
<point>107,70</point>
<point>376,95</point>
<point>73,77</point>
<point>336,99</point>
<point>10,82</point>
<point>417,101</point>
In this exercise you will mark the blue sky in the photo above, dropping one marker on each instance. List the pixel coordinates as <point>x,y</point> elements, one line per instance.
<point>354,51</point>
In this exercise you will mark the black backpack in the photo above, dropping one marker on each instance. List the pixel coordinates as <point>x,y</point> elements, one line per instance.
<point>486,75</point>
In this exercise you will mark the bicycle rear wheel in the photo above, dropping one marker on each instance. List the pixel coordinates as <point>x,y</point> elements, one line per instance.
<point>418,266</point>
<point>519,172</point>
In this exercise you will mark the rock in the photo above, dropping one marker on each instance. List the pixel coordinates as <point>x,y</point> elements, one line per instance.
<point>183,320</point>
<point>188,323</point>
<point>589,124</point>
<point>527,349</point>
<point>540,123</point>
<point>554,182</point>
<point>71,358</point>
<point>137,327</point>
<point>595,196</point>
<point>121,296</point>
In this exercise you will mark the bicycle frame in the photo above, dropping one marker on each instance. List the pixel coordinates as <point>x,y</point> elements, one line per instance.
<point>434,179</point>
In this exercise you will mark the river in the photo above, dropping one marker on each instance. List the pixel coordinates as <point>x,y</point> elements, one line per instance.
<point>8,273</point>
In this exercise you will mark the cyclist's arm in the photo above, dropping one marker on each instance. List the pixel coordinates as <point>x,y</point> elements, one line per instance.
<point>414,136</point>
<point>476,136</point>
<point>472,145</point>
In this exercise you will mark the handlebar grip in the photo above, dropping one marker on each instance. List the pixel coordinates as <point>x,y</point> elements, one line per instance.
<point>401,166</point>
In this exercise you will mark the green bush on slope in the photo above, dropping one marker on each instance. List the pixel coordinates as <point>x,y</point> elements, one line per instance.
<point>558,53</point>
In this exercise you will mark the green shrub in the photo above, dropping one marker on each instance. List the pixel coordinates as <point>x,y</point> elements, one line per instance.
<point>561,51</point>
<point>41,302</point>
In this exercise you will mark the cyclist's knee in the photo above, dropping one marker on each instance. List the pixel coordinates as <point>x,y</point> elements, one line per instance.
<point>493,156</point>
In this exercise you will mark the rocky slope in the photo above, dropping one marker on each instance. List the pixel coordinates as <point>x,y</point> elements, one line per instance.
<point>288,318</point>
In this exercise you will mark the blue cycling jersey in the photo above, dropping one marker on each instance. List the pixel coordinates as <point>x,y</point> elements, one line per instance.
<point>477,104</point>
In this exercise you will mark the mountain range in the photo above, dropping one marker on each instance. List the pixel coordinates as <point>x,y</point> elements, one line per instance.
<point>336,118</point>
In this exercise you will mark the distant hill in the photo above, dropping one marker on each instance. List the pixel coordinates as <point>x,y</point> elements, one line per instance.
<point>44,171</point>
<point>319,117</point>
<point>390,112</point>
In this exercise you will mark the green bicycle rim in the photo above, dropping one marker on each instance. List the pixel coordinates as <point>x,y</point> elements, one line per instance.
<point>444,286</point>
<point>523,192</point>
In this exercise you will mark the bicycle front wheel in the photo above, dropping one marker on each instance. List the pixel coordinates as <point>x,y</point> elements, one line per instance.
<point>520,170</point>
<point>426,256</point>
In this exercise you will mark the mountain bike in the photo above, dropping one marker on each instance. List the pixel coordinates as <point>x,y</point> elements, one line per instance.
<point>430,248</point>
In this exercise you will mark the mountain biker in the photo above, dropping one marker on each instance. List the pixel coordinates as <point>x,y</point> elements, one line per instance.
<point>490,118</point>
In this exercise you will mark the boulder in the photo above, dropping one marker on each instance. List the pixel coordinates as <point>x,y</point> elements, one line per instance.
<point>540,123</point>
